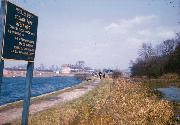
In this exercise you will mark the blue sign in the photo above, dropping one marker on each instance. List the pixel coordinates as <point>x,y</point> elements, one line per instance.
<point>20,34</point>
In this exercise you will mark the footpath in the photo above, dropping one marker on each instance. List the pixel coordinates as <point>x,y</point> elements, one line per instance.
<point>11,114</point>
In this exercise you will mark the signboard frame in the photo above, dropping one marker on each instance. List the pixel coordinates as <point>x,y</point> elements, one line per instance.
<point>19,33</point>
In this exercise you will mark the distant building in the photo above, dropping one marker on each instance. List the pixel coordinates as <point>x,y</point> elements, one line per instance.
<point>65,69</point>
<point>79,67</point>
<point>11,72</point>
<point>44,73</point>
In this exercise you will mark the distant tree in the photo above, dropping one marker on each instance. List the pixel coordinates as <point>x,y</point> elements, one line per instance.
<point>54,67</point>
<point>80,64</point>
<point>167,47</point>
<point>147,64</point>
<point>177,40</point>
<point>116,74</point>
<point>146,51</point>
<point>41,67</point>
<point>173,64</point>
<point>153,62</point>
<point>137,68</point>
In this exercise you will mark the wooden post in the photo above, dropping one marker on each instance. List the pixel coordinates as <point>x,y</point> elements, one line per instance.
<point>27,94</point>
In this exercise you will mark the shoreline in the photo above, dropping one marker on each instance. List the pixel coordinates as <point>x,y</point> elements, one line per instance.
<point>11,112</point>
<point>36,76</point>
<point>41,95</point>
<point>45,95</point>
<point>35,97</point>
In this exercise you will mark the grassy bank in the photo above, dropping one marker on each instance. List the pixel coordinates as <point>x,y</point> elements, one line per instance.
<point>158,83</point>
<point>154,84</point>
<point>113,102</point>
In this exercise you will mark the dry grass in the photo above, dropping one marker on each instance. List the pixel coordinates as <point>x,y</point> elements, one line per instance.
<point>158,83</point>
<point>170,76</point>
<point>119,102</point>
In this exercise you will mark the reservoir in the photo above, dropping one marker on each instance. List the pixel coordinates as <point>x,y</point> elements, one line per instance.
<point>12,89</point>
<point>171,93</point>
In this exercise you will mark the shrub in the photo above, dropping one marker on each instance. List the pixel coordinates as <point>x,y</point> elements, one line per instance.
<point>116,74</point>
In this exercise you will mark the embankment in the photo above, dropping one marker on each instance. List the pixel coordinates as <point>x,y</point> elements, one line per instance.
<point>119,101</point>
<point>12,112</point>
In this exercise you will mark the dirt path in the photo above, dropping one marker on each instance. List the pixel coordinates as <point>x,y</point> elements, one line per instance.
<point>9,115</point>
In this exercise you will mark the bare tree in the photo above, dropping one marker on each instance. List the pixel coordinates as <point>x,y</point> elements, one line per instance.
<point>167,47</point>
<point>147,51</point>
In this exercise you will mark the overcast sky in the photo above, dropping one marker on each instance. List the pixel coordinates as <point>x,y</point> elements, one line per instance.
<point>103,33</point>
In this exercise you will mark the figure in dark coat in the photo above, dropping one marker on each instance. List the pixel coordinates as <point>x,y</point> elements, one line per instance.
<point>100,74</point>
<point>104,75</point>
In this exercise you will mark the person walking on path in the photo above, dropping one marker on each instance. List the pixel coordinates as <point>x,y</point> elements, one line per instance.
<point>100,75</point>
<point>104,75</point>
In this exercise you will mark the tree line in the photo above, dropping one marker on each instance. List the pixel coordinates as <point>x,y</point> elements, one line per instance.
<point>158,60</point>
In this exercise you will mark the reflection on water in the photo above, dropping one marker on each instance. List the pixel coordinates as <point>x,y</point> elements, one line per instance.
<point>172,93</point>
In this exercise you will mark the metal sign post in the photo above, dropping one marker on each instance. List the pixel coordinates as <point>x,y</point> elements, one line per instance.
<point>18,42</point>
<point>1,73</point>
<point>2,14</point>
<point>27,94</point>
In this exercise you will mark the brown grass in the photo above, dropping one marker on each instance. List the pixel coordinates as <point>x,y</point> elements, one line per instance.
<point>119,102</point>
<point>170,76</point>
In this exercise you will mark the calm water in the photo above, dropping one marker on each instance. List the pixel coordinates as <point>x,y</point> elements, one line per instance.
<point>172,93</point>
<point>13,88</point>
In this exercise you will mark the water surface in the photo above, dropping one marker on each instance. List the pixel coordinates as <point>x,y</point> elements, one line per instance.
<point>13,88</point>
<point>171,93</point>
